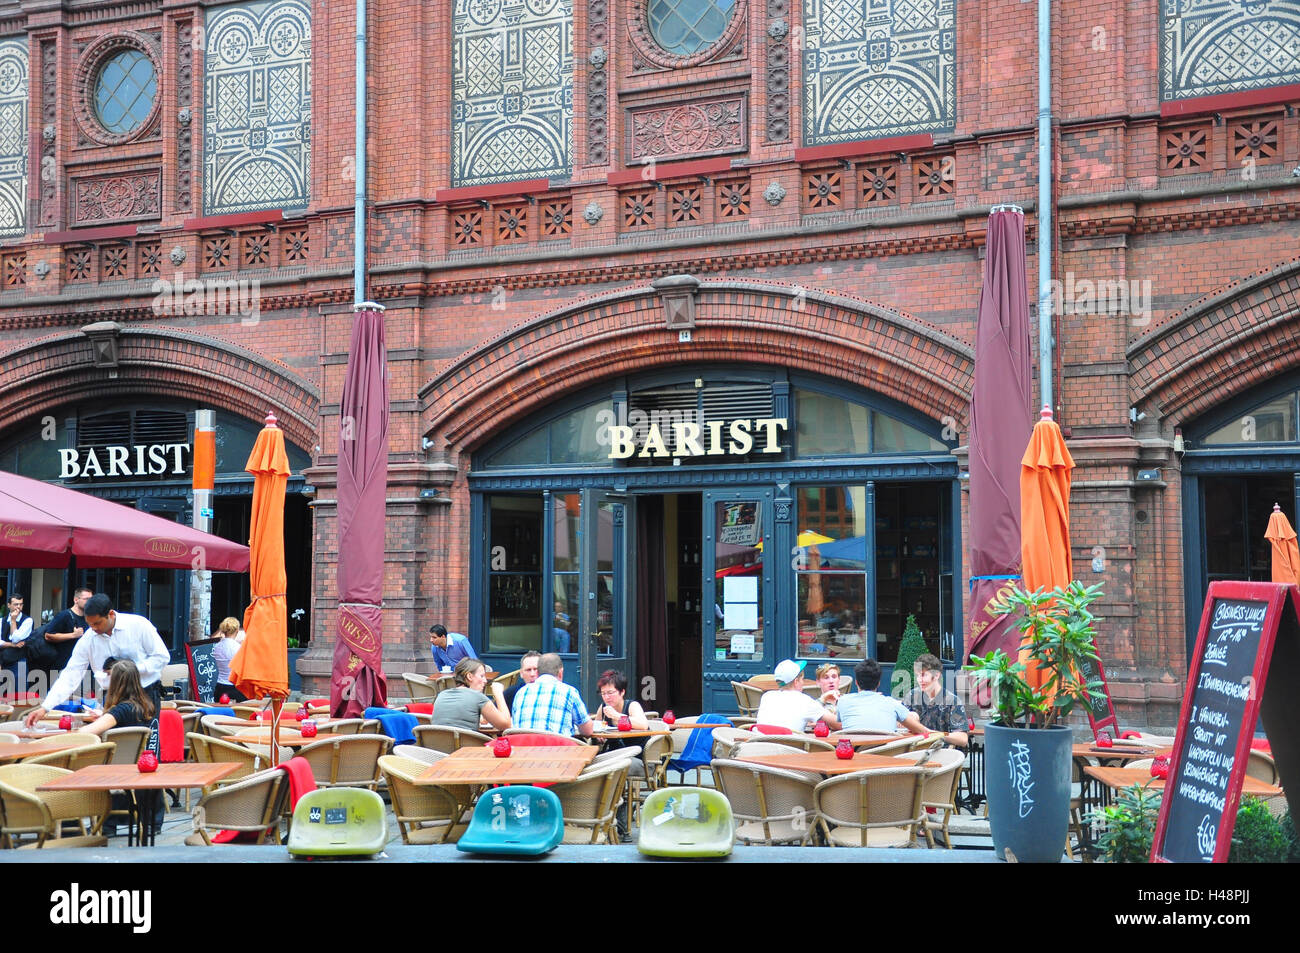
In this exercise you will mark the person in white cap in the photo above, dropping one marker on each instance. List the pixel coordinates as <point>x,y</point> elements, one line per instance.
<point>787,706</point>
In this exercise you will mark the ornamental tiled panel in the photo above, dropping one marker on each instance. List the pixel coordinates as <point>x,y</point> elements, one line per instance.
<point>512,90</point>
<point>875,68</point>
<point>1209,47</point>
<point>257,107</point>
<point>13,137</point>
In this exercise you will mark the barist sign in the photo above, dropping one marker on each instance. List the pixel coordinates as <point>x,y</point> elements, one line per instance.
<point>154,459</point>
<point>688,439</point>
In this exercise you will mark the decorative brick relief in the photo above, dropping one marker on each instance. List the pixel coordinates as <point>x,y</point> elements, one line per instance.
<point>823,190</point>
<point>184,116</point>
<point>116,198</point>
<point>257,107</point>
<point>936,177</point>
<point>882,68</point>
<point>80,264</point>
<point>702,128</point>
<point>512,90</point>
<point>733,200</point>
<point>13,270</point>
<point>878,184</point>
<point>511,224</point>
<point>1255,140</point>
<point>115,262</point>
<point>557,219</point>
<point>1211,47</point>
<point>598,82</point>
<point>1185,148</point>
<point>149,259</point>
<point>638,210</point>
<point>13,137</point>
<point>467,228</point>
<point>49,172</point>
<point>776,126</point>
<point>685,205</point>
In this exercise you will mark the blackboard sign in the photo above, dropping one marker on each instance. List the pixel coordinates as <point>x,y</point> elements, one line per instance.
<point>203,669</point>
<point>1221,704</point>
<point>1101,712</point>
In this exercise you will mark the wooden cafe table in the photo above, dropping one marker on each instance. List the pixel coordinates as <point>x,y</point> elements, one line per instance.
<point>861,740</point>
<point>544,764</point>
<point>287,739</point>
<point>127,777</point>
<point>826,762</point>
<point>1117,778</point>
<point>50,744</point>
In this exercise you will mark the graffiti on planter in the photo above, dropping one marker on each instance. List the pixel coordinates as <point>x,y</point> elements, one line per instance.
<point>1020,777</point>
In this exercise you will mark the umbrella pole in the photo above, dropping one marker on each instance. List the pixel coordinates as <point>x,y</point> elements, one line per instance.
<point>277,705</point>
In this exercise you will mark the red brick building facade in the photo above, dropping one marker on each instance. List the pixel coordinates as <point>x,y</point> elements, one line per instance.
<point>822,252</point>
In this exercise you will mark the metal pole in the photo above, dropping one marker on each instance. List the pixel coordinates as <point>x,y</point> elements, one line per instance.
<point>1045,361</point>
<point>201,579</point>
<point>359,238</point>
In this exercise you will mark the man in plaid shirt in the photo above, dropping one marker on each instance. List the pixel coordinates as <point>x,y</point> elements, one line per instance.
<point>550,705</point>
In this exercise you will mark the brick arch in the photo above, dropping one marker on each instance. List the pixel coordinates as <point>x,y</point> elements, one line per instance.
<point>851,340</point>
<point>1222,345</point>
<point>156,362</point>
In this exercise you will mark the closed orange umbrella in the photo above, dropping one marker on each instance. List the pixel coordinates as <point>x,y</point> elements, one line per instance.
<point>1286,555</point>
<point>1045,515</point>
<point>261,667</point>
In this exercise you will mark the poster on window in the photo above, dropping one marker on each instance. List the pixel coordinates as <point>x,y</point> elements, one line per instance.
<point>739,525</point>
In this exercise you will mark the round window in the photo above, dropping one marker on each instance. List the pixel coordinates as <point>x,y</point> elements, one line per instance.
<point>684,27</point>
<point>124,91</point>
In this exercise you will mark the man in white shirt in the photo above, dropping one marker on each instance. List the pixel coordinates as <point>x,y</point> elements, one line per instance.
<point>787,706</point>
<point>117,634</point>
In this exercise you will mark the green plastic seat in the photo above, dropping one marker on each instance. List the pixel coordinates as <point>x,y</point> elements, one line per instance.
<point>338,822</point>
<point>686,822</point>
<point>519,820</point>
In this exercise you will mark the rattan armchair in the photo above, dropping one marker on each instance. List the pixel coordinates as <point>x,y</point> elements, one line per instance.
<point>206,750</point>
<point>416,753</point>
<point>770,805</point>
<point>895,747</point>
<point>130,743</point>
<point>590,803</point>
<point>27,811</point>
<point>426,813</point>
<point>939,790</point>
<point>351,761</point>
<point>875,808</point>
<point>447,738</point>
<point>253,804</point>
<point>747,698</point>
<point>74,759</point>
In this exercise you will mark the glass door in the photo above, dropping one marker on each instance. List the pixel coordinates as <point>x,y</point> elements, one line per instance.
<point>604,639</point>
<point>738,582</point>
<point>164,594</point>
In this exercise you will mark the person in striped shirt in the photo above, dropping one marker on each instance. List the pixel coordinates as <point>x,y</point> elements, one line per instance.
<point>548,704</point>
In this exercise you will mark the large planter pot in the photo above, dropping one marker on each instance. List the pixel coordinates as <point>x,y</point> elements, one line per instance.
<point>1028,775</point>
<point>295,680</point>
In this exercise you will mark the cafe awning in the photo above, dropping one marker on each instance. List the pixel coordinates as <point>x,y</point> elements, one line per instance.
<point>45,526</point>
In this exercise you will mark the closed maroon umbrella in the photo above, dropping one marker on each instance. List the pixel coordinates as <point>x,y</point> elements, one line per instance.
<point>44,526</point>
<point>357,681</point>
<point>1000,424</point>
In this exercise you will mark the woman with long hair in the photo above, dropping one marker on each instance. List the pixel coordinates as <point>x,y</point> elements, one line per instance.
<point>125,704</point>
<point>464,705</point>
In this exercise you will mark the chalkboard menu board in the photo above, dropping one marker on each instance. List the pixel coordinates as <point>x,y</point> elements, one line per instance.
<point>203,669</point>
<point>1220,708</point>
<point>1101,712</point>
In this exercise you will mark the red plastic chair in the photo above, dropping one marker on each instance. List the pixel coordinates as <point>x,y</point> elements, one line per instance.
<point>420,708</point>
<point>540,740</point>
<point>771,730</point>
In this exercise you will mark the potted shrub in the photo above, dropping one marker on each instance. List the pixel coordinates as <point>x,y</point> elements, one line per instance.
<point>1129,825</point>
<point>1027,746</point>
<point>909,650</point>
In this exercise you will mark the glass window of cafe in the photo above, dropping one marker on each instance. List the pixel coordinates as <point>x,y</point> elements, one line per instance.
<point>867,555</point>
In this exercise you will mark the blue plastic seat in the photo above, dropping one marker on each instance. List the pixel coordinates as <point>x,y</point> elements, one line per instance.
<point>519,820</point>
<point>686,822</point>
<point>338,822</point>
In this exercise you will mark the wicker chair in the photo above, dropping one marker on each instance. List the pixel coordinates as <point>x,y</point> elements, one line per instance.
<point>25,811</point>
<point>74,759</point>
<point>590,803</point>
<point>726,739</point>
<point>876,808</point>
<point>797,742</point>
<point>771,805</point>
<point>206,750</point>
<point>426,813</point>
<point>424,689</point>
<point>447,738</point>
<point>546,737</point>
<point>348,762</point>
<point>747,698</point>
<point>748,749</point>
<point>253,804</point>
<point>507,680</point>
<point>814,690</point>
<point>895,747</point>
<point>212,726</point>
<point>1260,765</point>
<point>657,752</point>
<point>416,753</point>
<point>347,726</point>
<point>940,789</point>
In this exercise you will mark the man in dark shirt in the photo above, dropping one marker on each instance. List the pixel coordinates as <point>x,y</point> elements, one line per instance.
<point>527,675</point>
<point>66,627</point>
<point>938,709</point>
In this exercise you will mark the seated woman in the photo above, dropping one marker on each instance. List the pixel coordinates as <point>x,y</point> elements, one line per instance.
<point>614,704</point>
<point>125,704</point>
<point>463,705</point>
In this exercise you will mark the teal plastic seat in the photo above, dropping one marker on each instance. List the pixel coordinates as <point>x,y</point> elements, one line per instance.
<point>686,822</point>
<point>519,820</point>
<point>338,822</point>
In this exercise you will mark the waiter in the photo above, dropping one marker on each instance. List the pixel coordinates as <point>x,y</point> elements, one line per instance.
<point>117,634</point>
